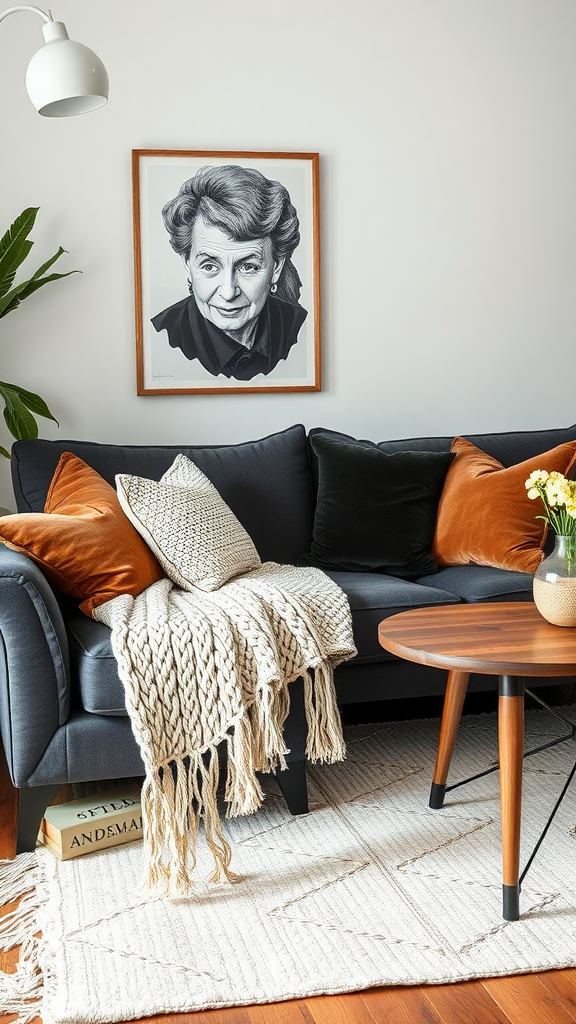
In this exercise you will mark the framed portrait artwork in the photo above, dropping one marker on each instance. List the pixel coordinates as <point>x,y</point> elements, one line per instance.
<point>227,274</point>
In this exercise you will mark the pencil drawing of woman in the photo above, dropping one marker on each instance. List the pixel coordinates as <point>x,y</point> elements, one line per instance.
<point>236,231</point>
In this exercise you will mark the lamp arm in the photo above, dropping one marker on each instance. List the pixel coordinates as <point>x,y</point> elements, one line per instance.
<point>27,7</point>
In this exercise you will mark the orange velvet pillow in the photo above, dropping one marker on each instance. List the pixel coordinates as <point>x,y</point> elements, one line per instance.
<point>485,516</point>
<point>83,541</point>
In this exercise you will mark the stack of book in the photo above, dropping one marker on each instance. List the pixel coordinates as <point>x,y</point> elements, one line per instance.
<point>92,822</point>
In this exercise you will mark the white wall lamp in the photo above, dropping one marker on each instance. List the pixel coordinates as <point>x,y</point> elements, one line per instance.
<point>63,77</point>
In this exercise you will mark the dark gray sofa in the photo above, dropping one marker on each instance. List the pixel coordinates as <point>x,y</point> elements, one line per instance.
<point>62,713</point>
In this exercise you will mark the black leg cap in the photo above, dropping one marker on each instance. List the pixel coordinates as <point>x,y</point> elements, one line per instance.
<point>511,902</point>
<point>437,794</point>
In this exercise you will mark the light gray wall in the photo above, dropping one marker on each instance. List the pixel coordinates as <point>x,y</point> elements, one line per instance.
<point>447,135</point>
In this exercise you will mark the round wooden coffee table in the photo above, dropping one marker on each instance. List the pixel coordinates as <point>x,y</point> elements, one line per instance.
<point>510,640</point>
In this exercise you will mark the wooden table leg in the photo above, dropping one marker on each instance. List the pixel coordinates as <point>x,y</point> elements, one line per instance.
<point>511,750</point>
<point>453,701</point>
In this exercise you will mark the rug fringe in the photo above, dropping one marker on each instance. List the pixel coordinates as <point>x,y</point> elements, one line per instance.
<point>17,877</point>
<point>21,991</point>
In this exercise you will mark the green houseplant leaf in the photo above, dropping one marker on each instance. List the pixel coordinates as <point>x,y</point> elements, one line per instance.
<point>12,298</point>
<point>20,406</point>
<point>14,247</point>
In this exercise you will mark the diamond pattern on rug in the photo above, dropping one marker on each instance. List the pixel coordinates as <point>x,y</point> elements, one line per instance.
<point>370,888</point>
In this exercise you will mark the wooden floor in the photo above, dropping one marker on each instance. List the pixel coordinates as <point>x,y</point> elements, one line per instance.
<point>548,998</point>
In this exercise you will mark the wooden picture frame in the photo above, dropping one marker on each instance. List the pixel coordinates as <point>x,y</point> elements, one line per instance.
<point>227,271</point>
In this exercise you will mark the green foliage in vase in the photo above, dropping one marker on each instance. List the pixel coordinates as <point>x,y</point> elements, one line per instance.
<point>20,406</point>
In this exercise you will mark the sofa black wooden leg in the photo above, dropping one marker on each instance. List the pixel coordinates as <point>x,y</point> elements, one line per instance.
<point>293,786</point>
<point>32,803</point>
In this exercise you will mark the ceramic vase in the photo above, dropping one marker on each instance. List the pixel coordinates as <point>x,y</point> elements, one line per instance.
<point>555,583</point>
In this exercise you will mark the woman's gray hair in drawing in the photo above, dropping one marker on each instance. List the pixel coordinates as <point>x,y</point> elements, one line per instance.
<point>244,204</point>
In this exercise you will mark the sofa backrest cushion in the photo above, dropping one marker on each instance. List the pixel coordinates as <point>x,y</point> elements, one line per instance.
<point>266,482</point>
<point>509,447</point>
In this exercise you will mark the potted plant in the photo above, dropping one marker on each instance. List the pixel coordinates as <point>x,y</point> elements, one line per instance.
<point>20,406</point>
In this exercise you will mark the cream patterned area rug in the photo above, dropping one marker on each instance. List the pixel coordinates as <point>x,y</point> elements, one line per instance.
<point>370,888</point>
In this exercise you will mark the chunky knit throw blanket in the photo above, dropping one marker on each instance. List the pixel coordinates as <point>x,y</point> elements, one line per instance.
<point>201,668</point>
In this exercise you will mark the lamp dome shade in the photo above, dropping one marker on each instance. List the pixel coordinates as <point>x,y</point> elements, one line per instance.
<point>65,77</point>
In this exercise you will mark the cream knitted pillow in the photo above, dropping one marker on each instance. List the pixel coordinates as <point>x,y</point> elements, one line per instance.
<point>195,536</point>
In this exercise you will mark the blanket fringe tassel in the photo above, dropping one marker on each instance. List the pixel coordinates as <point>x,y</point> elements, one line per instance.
<point>267,715</point>
<point>182,792</point>
<point>325,744</point>
<point>20,991</point>
<point>243,793</point>
<point>175,797</point>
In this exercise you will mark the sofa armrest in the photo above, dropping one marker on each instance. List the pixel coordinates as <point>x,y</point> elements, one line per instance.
<point>34,664</point>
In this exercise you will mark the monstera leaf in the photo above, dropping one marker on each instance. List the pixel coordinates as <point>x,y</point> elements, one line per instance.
<point>20,406</point>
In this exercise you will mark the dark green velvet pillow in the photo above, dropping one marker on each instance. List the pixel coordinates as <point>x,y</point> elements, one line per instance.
<point>375,512</point>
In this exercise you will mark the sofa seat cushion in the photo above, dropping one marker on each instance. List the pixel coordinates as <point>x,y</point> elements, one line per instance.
<point>374,597</point>
<point>472,583</point>
<point>93,667</point>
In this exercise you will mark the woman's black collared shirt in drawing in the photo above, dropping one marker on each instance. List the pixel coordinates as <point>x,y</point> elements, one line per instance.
<point>198,338</point>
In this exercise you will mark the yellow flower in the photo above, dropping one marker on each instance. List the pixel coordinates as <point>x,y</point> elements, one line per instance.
<point>558,495</point>
<point>557,490</point>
